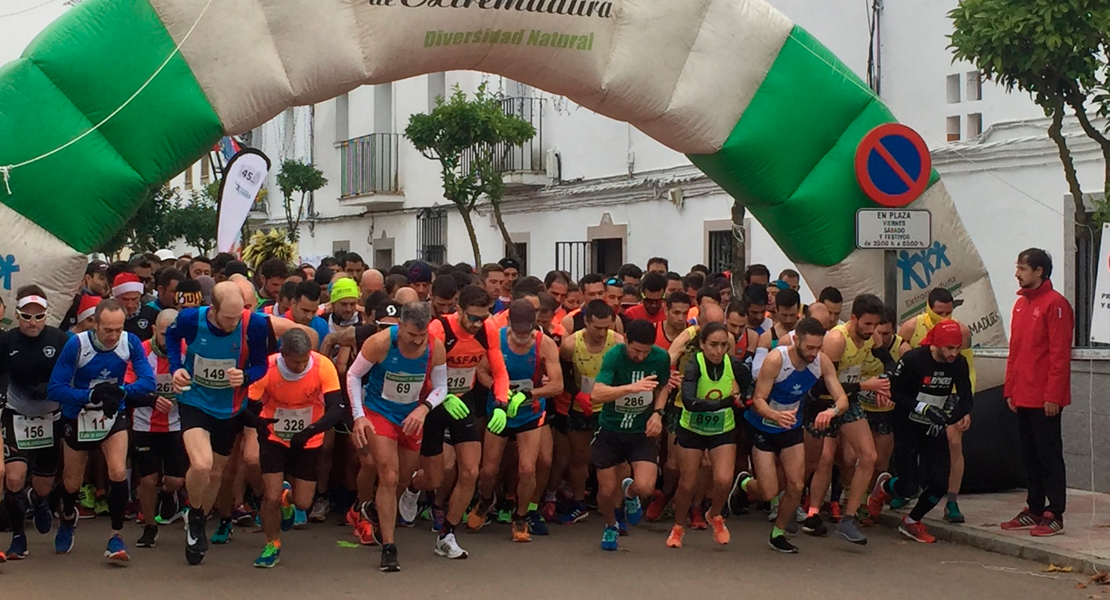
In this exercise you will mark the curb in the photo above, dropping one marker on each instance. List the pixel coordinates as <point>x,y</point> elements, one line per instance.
<point>1026,548</point>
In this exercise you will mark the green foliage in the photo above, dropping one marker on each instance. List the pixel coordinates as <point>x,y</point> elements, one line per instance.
<point>149,229</point>
<point>464,135</point>
<point>301,178</point>
<point>195,221</point>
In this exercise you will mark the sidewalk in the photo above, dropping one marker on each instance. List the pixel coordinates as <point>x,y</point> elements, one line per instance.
<point>1084,545</point>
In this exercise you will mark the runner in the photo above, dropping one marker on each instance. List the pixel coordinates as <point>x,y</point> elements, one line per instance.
<point>420,280</point>
<point>593,288</point>
<point>674,323</point>
<point>306,302</point>
<point>747,339</point>
<point>631,421</point>
<point>128,290</point>
<point>344,304</point>
<point>878,409</point>
<point>445,296</point>
<point>156,446</point>
<point>584,351</point>
<point>530,358</point>
<point>756,314</point>
<point>711,387</point>
<point>86,382</point>
<point>786,317</point>
<point>299,399</point>
<point>469,337</point>
<point>921,388</point>
<point>783,381</point>
<point>225,351</point>
<point>651,305</point>
<point>29,421</point>
<point>408,380</point>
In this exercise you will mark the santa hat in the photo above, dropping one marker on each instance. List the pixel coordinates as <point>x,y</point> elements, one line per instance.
<point>87,307</point>
<point>125,283</point>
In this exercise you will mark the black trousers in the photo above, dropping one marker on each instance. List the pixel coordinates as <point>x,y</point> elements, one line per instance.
<point>922,463</point>
<point>1042,453</point>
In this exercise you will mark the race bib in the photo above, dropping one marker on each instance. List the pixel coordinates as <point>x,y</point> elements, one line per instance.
<point>850,374</point>
<point>32,433</point>
<point>931,400</point>
<point>634,403</point>
<point>460,380</point>
<point>291,421</point>
<point>779,407</point>
<point>868,399</point>
<point>708,423</point>
<point>93,425</point>
<point>520,385</point>
<point>212,373</point>
<point>163,386</point>
<point>402,388</point>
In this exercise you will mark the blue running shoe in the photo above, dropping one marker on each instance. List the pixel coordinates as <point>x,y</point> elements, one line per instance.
<point>288,511</point>
<point>63,540</point>
<point>622,524</point>
<point>536,523</point>
<point>300,519</point>
<point>633,511</point>
<point>439,515</point>
<point>223,532</point>
<point>117,550</point>
<point>609,539</point>
<point>270,557</point>
<point>43,518</point>
<point>18,549</point>
<point>578,512</point>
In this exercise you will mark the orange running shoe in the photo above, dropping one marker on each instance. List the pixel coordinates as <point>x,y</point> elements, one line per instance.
<point>916,531</point>
<point>655,508</point>
<point>697,519</point>
<point>521,531</point>
<point>478,516</point>
<point>367,535</point>
<point>675,539</point>
<point>720,532</point>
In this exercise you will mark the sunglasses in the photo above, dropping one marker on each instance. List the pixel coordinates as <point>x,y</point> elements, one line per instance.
<point>614,282</point>
<point>653,301</point>
<point>29,317</point>
<point>476,319</point>
<point>628,304</point>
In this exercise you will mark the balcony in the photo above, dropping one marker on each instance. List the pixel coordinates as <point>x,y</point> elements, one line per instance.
<point>523,165</point>
<point>368,169</point>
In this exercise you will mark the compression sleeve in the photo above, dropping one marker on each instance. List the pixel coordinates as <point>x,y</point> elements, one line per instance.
<point>61,378</point>
<point>335,406</point>
<point>964,394</point>
<point>439,386</point>
<point>904,386</point>
<point>258,359</point>
<point>884,356</point>
<point>497,366</point>
<point>355,373</point>
<point>690,381</point>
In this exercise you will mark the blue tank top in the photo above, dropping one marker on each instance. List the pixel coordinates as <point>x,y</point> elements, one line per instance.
<point>207,360</point>
<point>396,384</point>
<point>524,374</point>
<point>790,389</point>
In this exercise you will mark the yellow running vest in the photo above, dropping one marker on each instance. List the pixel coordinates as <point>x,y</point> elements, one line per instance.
<point>587,364</point>
<point>849,369</point>
<point>874,367</point>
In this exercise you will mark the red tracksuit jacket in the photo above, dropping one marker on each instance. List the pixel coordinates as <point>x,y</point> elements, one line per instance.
<point>1038,369</point>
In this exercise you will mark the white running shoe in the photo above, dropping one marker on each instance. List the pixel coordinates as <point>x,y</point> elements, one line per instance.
<point>448,547</point>
<point>409,507</point>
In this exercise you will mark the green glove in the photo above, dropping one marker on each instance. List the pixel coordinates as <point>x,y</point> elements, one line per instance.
<point>497,421</point>
<point>516,401</point>
<point>456,407</point>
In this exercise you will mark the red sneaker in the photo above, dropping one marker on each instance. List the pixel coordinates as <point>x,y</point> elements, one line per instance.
<point>655,508</point>
<point>548,511</point>
<point>1024,520</point>
<point>878,497</point>
<point>916,531</point>
<point>834,512</point>
<point>697,519</point>
<point>1049,526</point>
<point>367,535</point>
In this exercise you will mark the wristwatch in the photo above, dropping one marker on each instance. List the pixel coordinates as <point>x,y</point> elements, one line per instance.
<point>659,411</point>
<point>427,404</point>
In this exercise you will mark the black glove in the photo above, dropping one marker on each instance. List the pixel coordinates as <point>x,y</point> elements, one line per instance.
<point>107,397</point>
<point>301,438</point>
<point>935,415</point>
<point>38,392</point>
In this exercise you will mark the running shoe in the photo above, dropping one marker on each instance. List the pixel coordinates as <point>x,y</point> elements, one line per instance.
<point>288,511</point>
<point>117,550</point>
<point>898,503</point>
<point>242,516</point>
<point>737,498</point>
<point>86,496</point>
<point>916,531</point>
<point>505,514</point>
<point>835,512</point>
<point>18,549</point>
<point>773,515</point>
<point>1049,526</point>
<point>633,511</point>
<point>781,544</point>
<point>720,532</point>
<point>609,539</point>
<point>408,506</point>
<point>196,538</point>
<point>578,512</point>
<point>300,519</point>
<point>622,524</point>
<point>101,507</point>
<point>800,514</point>
<point>320,509</point>
<point>367,533</point>
<point>63,540</point>
<point>149,537</point>
<point>169,509</point>
<point>674,540</point>
<point>655,508</point>
<point>1024,520</point>
<point>863,517</point>
<point>479,516</point>
<point>270,557</point>
<point>848,529</point>
<point>812,525</point>
<point>952,513</point>
<point>389,559</point>
<point>548,509</point>
<point>697,519</point>
<point>84,513</point>
<point>878,496</point>
<point>43,518</point>
<point>223,532</point>
<point>536,523</point>
<point>131,511</point>
<point>521,533</point>
<point>447,546</point>
<point>438,516</point>
<point>791,526</point>
<point>351,517</point>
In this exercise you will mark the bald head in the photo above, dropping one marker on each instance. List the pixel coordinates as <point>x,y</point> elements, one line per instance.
<point>406,295</point>
<point>819,311</point>
<point>372,281</point>
<point>227,302</point>
<point>246,289</point>
<point>711,313</point>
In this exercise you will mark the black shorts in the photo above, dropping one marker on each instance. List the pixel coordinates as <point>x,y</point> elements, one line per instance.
<point>221,432</point>
<point>439,427</point>
<point>511,432</point>
<point>71,433</point>
<point>696,441</point>
<point>154,453</point>
<point>671,416</point>
<point>773,442</point>
<point>880,422</point>
<point>812,409</point>
<point>611,448</point>
<point>476,400</point>
<point>558,422</point>
<point>346,425</point>
<point>300,463</point>
<point>42,461</point>
<point>579,422</point>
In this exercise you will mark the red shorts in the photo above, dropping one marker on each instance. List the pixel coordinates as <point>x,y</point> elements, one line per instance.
<point>385,428</point>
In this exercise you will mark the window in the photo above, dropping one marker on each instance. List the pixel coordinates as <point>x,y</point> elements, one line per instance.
<point>953,129</point>
<point>573,257</point>
<point>437,86</point>
<point>522,253</point>
<point>608,255</point>
<point>383,108</point>
<point>340,246</point>
<point>720,250</point>
<point>205,170</point>
<point>974,125</point>
<point>342,118</point>
<point>953,89</point>
<point>431,231</point>
<point>189,177</point>
<point>974,86</point>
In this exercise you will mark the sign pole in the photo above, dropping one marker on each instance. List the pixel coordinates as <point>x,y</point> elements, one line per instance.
<point>890,271</point>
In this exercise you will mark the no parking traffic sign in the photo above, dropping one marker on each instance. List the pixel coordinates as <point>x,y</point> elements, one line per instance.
<point>893,165</point>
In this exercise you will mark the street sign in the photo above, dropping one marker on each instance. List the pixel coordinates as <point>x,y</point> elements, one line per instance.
<point>893,229</point>
<point>893,165</point>
<point>1100,312</point>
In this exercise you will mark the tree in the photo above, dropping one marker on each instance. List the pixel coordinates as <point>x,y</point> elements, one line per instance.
<point>466,137</point>
<point>1055,50</point>
<point>148,229</point>
<point>195,221</point>
<point>295,177</point>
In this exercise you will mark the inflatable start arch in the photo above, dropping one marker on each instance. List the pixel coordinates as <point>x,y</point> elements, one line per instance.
<point>754,101</point>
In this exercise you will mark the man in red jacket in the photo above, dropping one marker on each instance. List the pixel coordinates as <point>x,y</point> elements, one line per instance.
<point>1038,387</point>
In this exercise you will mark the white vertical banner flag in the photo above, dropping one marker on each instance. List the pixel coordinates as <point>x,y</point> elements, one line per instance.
<point>1100,312</point>
<point>243,177</point>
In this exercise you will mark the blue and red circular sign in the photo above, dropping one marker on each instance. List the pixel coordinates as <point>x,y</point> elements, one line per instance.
<point>893,165</point>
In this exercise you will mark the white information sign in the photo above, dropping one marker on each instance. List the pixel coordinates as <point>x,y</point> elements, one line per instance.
<point>893,229</point>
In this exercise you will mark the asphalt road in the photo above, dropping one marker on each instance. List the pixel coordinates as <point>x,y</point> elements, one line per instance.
<point>567,564</point>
